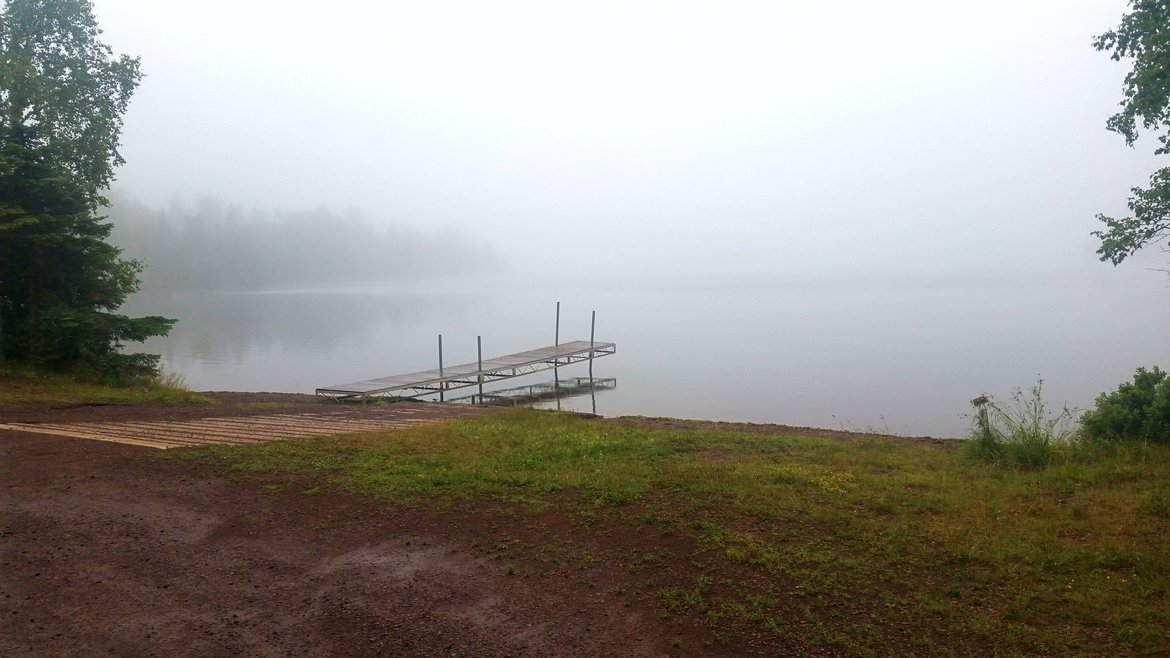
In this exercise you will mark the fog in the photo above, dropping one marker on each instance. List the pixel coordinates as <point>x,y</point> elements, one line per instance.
<point>751,141</point>
<point>852,213</point>
<point>208,245</point>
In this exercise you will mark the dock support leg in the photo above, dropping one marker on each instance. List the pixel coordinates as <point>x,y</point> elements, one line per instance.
<point>479,361</point>
<point>557,342</point>
<point>592,327</point>
<point>592,389</point>
<point>441,367</point>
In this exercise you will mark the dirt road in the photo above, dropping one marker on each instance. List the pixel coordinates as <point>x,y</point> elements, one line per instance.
<point>109,549</point>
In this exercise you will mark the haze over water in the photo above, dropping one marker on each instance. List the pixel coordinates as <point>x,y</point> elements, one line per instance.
<point>902,357</point>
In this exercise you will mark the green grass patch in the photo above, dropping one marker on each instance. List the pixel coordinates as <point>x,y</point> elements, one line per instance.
<point>26,387</point>
<point>849,545</point>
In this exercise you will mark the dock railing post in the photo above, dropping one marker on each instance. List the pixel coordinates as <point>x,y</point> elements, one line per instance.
<point>479,360</point>
<point>441,383</point>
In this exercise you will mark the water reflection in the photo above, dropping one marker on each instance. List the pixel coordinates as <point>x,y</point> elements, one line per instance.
<point>556,390</point>
<point>215,326</point>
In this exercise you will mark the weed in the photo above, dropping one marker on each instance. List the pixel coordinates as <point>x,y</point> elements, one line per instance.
<point>678,599</point>
<point>1022,430</point>
<point>652,517</point>
<point>1156,502</point>
<point>169,380</point>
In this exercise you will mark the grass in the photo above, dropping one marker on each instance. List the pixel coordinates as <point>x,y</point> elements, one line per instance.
<point>852,545</point>
<point>26,387</point>
<point>1023,430</point>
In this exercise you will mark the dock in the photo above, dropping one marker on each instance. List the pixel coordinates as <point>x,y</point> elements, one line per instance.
<point>451,378</point>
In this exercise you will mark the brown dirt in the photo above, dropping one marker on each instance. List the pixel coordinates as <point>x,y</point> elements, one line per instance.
<point>118,550</point>
<point>225,404</point>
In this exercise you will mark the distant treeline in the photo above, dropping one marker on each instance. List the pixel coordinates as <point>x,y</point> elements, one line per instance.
<point>212,245</point>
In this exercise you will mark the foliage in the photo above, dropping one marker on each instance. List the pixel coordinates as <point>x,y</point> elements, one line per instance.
<point>842,547</point>
<point>1144,37</point>
<point>1136,411</point>
<point>62,97</point>
<point>1022,430</point>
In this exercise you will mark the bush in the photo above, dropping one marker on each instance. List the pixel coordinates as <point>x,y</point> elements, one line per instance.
<point>1136,411</point>
<point>1022,430</point>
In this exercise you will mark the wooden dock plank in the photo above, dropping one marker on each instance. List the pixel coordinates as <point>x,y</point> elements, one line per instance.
<point>231,430</point>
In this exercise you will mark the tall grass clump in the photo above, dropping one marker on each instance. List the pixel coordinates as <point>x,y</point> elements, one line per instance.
<point>168,380</point>
<point>1021,430</point>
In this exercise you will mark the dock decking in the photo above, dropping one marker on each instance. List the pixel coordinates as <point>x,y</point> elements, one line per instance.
<point>471,374</point>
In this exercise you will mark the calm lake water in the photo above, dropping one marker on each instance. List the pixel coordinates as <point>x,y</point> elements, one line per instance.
<point>899,357</point>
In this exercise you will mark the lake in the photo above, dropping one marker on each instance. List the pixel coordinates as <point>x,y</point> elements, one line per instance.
<point>902,357</point>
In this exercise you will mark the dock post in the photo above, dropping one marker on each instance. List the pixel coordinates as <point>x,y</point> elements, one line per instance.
<point>557,343</point>
<point>441,387</point>
<point>479,360</point>
<point>592,333</point>
<point>592,328</point>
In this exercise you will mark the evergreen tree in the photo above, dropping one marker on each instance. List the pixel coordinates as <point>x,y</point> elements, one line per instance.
<point>62,97</point>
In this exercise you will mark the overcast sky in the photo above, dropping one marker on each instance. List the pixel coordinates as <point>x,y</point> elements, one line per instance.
<point>748,140</point>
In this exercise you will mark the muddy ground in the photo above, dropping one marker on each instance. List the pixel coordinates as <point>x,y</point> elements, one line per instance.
<point>108,549</point>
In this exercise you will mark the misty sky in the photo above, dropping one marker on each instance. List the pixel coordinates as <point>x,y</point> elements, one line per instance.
<point>749,140</point>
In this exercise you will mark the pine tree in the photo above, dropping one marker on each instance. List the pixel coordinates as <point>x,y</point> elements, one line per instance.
<point>62,97</point>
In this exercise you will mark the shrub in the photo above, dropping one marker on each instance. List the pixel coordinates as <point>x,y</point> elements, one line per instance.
<point>1136,411</point>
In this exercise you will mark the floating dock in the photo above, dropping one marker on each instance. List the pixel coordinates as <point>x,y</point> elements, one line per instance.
<point>450,378</point>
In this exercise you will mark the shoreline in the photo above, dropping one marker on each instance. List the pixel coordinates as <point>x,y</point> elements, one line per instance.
<point>241,403</point>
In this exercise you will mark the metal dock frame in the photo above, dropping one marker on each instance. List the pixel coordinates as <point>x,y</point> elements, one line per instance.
<point>471,374</point>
